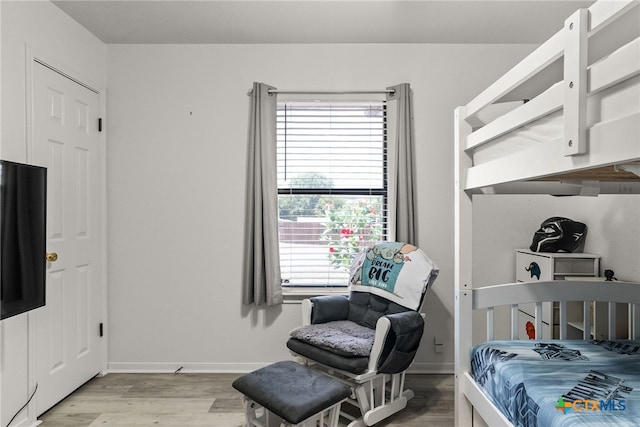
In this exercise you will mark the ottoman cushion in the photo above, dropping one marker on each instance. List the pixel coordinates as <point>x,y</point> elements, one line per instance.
<point>291,390</point>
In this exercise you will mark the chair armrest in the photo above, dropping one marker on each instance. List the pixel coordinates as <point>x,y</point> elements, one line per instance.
<point>396,342</point>
<point>383,326</point>
<point>326,308</point>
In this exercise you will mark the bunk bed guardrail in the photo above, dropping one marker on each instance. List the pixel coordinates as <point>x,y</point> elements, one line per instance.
<point>611,141</point>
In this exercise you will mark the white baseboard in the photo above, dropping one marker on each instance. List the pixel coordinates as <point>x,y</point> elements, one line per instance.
<point>240,368</point>
<point>431,368</point>
<point>26,422</point>
<point>187,367</point>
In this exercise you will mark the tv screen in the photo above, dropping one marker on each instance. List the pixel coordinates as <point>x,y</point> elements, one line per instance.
<point>23,212</point>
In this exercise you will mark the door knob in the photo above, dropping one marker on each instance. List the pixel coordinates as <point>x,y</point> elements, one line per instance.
<point>51,256</point>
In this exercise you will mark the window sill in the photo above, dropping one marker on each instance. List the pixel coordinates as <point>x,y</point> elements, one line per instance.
<point>296,295</point>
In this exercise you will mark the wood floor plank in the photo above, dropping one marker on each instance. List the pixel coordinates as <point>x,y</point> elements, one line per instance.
<point>188,399</point>
<point>137,405</point>
<point>214,420</point>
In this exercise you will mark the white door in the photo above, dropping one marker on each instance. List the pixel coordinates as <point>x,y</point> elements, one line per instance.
<point>66,140</point>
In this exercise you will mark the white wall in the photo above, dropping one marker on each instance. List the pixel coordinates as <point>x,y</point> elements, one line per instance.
<point>176,159</point>
<point>42,27</point>
<point>504,223</point>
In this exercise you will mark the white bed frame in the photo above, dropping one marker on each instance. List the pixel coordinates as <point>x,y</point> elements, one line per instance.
<point>468,395</point>
<point>585,160</point>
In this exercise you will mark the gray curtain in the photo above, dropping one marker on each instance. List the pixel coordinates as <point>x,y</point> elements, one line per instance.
<point>261,260</point>
<point>401,165</point>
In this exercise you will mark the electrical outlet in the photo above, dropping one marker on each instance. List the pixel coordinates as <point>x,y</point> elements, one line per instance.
<point>438,345</point>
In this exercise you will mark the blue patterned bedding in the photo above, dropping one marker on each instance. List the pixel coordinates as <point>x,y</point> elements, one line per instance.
<point>561,383</point>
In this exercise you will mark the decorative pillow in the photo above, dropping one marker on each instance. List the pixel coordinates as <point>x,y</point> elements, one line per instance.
<point>396,271</point>
<point>342,337</point>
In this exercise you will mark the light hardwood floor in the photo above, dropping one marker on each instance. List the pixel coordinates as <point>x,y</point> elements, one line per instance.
<point>209,400</point>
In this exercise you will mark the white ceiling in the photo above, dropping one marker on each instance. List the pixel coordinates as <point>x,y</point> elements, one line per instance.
<point>325,21</point>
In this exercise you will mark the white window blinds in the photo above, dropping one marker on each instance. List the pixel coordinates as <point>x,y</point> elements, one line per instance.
<point>332,187</point>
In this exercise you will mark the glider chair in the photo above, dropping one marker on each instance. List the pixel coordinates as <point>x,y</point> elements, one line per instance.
<point>368,339</point>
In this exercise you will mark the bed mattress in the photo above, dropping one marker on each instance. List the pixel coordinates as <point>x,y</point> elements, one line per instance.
<point>561,383</point>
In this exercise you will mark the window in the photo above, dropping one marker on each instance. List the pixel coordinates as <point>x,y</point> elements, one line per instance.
<point>332,188</point>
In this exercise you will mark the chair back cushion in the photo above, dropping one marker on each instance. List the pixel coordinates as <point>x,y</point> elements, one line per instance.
<point>366,308</point>
<point>395,271</point>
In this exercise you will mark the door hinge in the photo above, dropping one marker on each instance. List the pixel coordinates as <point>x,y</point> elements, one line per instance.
<point>100,124</point>
<point>101,329</point>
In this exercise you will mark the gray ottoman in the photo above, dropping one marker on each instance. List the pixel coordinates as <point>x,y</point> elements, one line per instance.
<point>292,394</point>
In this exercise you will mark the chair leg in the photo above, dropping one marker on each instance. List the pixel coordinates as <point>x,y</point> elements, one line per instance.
<point>376,398</point>
<point>258,416</point>
<point>381,412</point>
<point>376,404</point>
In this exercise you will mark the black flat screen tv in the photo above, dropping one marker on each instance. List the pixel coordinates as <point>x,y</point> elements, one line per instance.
<point>23,216</point>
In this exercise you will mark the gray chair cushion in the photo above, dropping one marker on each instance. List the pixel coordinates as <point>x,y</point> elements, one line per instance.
<point>292,391</point>
<point>343,337</point>
<point>328,308</point>
<point>355,365</point>
<point>365,308</point>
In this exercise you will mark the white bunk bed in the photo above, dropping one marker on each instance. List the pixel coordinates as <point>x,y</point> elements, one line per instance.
<point>578,135</point>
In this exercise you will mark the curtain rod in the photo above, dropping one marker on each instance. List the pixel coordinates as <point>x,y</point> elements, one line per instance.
<point>330,92</point>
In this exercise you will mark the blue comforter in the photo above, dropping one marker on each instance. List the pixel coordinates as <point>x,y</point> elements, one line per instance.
<point>561,383</point>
